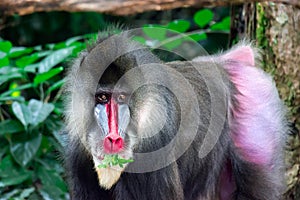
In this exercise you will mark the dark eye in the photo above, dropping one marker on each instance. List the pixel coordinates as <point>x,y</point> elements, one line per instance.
<point>102,98</point>
<point>122,98</point>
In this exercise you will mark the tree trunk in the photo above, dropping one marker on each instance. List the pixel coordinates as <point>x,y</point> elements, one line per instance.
<point>277,31</point>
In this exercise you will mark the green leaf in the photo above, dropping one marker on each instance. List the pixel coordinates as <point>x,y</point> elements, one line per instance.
<point>139,39</point>
<point>203,17</point>
<point>14,180</point>
<point>8,73</point>
<point>27,60</point>
<point>4,61</point>
<point>6,167</point>
<point>223,25</point>
<point>32,68</point>
<point>26,192</point>
<point>7,77</point>
<point>197,37</point>
<point>55,58</point>
<point>155,31</point>
<point>11,174</point>
<point>55,86</point>
<point>9,98</point>
<point>10,126</point>
<point>39,111</point>
<point>13,86</point>
<point>173,44</point>
<point>53,185</point>
<point>112,160</point>
<point>73,39</point>
<point>47,75</point>
<point>179,25</point>
<point>10,194</point>
<point>23,147</point>
<point>5,46</point>
<point>19,51</point>
<point>51,177</point>
<point>22,113</point>
<point>18,88</point>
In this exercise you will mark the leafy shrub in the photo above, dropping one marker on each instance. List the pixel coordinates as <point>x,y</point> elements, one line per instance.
<point>31,118</point>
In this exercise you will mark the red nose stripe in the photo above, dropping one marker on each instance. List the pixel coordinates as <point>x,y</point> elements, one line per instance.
<point>112,113</point>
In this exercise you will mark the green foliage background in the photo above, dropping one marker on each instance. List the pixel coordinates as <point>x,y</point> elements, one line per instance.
<point>31,80</point>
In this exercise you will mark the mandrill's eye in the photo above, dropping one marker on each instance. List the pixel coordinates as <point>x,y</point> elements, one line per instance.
<point>102,98</point>
<point>122,98</point>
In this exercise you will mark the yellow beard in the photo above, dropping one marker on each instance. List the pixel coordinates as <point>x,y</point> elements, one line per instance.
<point>108,177</point>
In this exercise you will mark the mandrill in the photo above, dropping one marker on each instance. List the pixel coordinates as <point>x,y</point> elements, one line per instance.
<point>209,128</point>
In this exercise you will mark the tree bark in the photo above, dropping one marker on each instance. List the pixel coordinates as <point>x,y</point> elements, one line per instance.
<point>275,27</point>
<point>114,7</point>
<point>277,31</point>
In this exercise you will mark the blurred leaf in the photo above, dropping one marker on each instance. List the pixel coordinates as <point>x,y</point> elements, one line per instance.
<point>51,177</point>
<point>18,194</point>
<point>19,51</point>
<point>152,43</point>
<point>10,126</point>
<point>22,113</point>
<point>53,185</point>
<point>139,39</point>
<point>27,60</point>
<point>18,88</point>
<point>3,149</point>
<point>11,174</point>
<point>155,31</point>
<point>173,44</point>
<point>7,168</point>
<point>2,54</point>
<point>55,86</point>
<point>7,73</point>
<point>5,46</point>
<point>7,77</point>
<point>32,68</point>
<point>13,86</point>
<point>10,194</point>
<point>39,111</point>
<point>54,58</point>
<point>4,61</point>
<point>223,25</point>
<point>73,39</point>
<point>26,192</point>
<point>9,98</point>
<point>203,17</point>
<point>47,75</point>
<point>8,70</point>
<point>24,146</point>
<point>197,37</point>
<point>15,180</point>
<point>179,25</point>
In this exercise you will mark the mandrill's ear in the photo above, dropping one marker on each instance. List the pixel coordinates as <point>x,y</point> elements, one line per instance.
<point>242,53</point>
<point>257,121</point>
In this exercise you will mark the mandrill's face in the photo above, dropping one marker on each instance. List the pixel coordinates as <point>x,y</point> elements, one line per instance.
<point>111,139</point>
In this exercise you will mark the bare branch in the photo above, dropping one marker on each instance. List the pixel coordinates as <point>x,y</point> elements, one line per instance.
<point>114,7</point>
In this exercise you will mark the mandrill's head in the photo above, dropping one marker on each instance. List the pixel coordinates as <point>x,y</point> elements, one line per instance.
<point>105,104</point>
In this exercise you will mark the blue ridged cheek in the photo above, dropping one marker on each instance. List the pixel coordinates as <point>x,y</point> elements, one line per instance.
<point>123,119</point>
<point>101,117</point>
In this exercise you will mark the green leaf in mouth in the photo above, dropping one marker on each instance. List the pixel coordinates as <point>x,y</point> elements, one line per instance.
<point>112,160</point>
